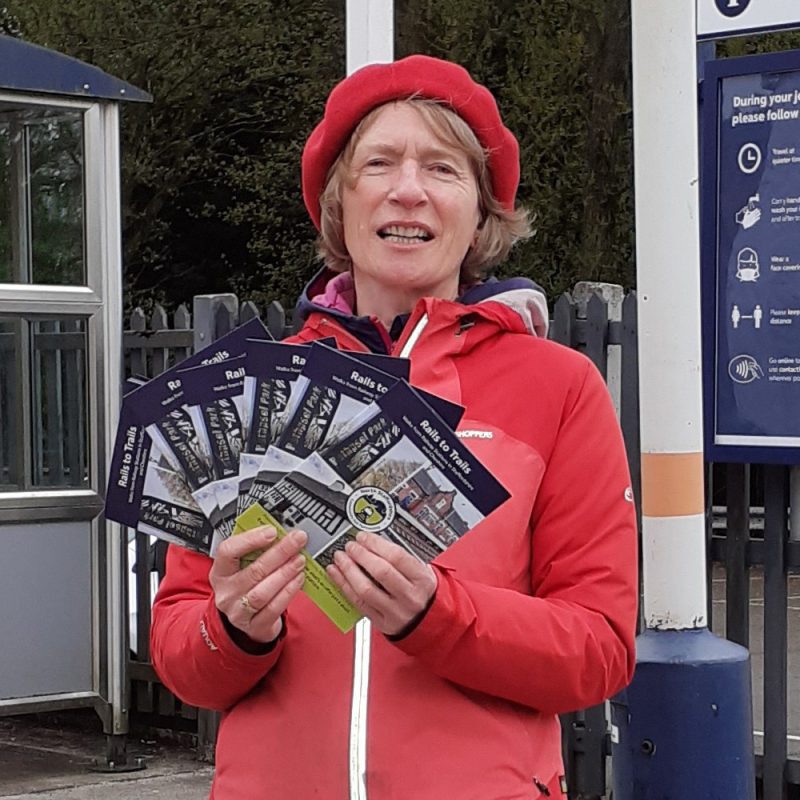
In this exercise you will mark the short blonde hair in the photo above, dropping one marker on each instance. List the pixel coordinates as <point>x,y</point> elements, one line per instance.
<point>499,228</point>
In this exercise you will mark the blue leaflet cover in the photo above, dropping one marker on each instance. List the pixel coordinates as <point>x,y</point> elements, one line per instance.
<point>144,489</point>
<point>213,399</point>
<point>331,390</point>
<point>146,494</point>
<point>272,370</point>
<point>333,387</point>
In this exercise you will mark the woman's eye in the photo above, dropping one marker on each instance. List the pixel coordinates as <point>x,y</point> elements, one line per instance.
<point>376,162</point>
<point>444,169</point>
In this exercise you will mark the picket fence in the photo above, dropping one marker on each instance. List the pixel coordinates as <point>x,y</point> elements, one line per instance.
<point>747,530</point>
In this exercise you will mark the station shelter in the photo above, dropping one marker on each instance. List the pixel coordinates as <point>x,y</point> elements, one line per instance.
<point>62,566</point>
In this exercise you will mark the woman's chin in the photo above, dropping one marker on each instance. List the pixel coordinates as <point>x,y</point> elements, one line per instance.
<point>421,279</point>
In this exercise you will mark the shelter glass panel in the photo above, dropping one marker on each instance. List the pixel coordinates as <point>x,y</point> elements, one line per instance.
<point>42,195</point>
<point>59,410</point>
<point>10,424</point>
<point>43,404</point>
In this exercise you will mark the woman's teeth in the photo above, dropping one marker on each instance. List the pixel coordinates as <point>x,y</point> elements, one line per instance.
<point>402,235</point>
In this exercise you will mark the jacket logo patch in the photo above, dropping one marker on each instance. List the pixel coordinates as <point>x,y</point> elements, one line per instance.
<point>629,494</point>
<point>206,638</point>
<point>475,434</point>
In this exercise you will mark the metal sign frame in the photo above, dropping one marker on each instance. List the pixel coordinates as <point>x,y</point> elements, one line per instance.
<point>764,449</point>
<point>746,17</point>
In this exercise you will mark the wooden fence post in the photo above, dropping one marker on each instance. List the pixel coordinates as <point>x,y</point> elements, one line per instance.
<point>205,309</point>
<point>214,315</point>
<point>602,334</point>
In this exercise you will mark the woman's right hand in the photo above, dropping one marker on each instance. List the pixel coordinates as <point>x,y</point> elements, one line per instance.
<point>253,598</point>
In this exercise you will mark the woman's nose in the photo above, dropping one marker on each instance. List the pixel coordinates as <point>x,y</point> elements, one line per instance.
<point>408,188</point>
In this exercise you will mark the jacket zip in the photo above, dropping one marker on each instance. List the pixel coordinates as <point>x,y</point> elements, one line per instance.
<point>362,639</point>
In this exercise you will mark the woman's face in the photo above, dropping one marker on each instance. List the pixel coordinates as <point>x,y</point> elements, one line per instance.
<point>410,211</point>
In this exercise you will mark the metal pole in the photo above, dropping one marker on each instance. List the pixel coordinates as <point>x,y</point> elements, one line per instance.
<point>685,722</point>
<point>370,33</point>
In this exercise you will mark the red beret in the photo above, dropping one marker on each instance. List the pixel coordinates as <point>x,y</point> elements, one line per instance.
<point>353,98</point>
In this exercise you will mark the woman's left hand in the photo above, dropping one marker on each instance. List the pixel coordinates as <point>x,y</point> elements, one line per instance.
<point>396,588</point>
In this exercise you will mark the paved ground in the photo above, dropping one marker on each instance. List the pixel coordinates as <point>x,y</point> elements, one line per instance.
<point>49,763</point>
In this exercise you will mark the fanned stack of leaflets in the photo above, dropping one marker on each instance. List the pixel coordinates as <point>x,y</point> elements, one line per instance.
<point>251,432</point>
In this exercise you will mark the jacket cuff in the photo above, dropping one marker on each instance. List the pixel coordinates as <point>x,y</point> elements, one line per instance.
<point>214,634</point>
<point>435,633</point>
<point>412,626</point>
<point>244,642</point>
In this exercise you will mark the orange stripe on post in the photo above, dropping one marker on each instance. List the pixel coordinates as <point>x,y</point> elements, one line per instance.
<point>672,484</point>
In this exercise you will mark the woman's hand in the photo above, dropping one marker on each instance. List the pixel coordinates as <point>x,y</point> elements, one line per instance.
<point>396,588</point>
<point>253,598</point>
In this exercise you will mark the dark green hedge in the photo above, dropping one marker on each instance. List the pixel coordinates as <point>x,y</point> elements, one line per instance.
<point>211,170</point>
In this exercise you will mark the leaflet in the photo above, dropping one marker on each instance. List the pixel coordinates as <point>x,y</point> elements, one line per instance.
<point>331,389</point>
<point>145,494</point>
<point>213,395</point>
<point>147,487</point>
<point>160,409</point>
<point>401,473</point>
<point>271,371</point>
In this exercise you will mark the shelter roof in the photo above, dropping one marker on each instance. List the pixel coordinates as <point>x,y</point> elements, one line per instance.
<point>26,67</point>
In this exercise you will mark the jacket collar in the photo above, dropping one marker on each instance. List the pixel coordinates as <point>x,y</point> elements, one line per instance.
<point>334,294</point>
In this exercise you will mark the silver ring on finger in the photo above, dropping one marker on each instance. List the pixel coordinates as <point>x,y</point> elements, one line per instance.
<point>244,602</point>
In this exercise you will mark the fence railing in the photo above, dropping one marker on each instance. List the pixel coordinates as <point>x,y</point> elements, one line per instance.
<point>601,322</point>
<point>754,579</point>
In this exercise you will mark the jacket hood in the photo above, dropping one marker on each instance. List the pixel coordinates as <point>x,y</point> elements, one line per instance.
<point>334,293</point>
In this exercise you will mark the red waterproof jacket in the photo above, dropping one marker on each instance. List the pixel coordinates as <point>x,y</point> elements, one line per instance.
<point>534,614</point>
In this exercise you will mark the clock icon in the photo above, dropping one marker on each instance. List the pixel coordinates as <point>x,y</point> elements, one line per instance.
<point>749,158</point>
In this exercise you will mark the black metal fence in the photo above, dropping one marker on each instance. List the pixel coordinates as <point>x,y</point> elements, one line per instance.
<point>754,581</point>
<point>749,546</point>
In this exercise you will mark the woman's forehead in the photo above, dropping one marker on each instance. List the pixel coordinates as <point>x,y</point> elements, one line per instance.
<point>395,125</point>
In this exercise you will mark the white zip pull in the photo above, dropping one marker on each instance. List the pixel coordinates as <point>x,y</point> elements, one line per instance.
<point>415,334</point>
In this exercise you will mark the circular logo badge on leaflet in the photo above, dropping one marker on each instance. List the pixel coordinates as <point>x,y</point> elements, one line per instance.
<point>732,8</point>
<point>370,509</point>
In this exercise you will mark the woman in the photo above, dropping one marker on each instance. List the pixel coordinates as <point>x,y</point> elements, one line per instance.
<point>452,688</point>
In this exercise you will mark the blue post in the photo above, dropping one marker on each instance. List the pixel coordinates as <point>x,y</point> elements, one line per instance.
<point>684,726</point>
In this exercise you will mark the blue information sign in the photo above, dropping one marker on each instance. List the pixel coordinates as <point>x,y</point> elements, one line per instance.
<point>751,258</point>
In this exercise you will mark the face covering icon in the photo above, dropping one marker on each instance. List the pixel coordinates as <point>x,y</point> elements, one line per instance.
<point>747,270</point>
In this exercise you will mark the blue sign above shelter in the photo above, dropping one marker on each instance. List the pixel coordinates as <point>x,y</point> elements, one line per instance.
<point>751,258</point>
<point>26,67</point>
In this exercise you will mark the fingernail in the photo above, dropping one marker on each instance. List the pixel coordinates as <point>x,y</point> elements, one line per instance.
<point>361,536</point>
<point>297,537</point>
<point>299,562</point>
<point>350,546</point>
<point>269,530</point>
